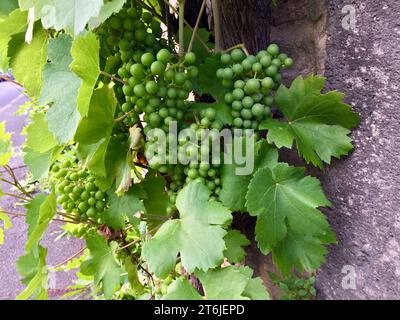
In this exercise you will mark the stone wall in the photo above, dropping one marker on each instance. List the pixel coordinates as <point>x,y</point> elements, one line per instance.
<point>364,188</point>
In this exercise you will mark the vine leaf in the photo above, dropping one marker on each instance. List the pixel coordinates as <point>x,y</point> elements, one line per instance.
<point>71,16</point>
<point>197,235</point>
<point>234,186</point>
<point>86,65</point>
<point>60,90</point>
<point>94,131</point>
<point>37,286</point>
<point>124,207</point>
<point>304,252</point>
<point>181,289</point>
<point>6,7</point>
<point>6,223</point>
<point>232,283</point>
<point>6,151</point>
<point>235,241</point>
<point>208,83</point>
<point>157,200</point>
<point>101,263</point>
<point>106,11</point>
<point>39,138</point>
<point>14,24</point>
<point>39,163</point>
<point>40,220</point>
<point>32,57</point>
<point>318,122</point>
<point>285,203</point>
<point>283,197</point>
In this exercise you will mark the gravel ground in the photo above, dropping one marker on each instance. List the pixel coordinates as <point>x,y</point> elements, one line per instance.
<point>58,251</point>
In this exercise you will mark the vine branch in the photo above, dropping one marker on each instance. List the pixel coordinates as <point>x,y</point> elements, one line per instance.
<point>196,27</point>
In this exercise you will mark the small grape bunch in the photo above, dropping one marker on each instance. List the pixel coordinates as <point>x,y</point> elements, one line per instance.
<point>78,193</point>
<point>251,81</point>
<point>158,87</point>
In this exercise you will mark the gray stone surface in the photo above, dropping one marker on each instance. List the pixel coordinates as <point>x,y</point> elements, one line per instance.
<point>15,238</point>
<point>365,188</point>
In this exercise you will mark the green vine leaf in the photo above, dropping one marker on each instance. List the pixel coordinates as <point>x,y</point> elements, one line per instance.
<point>6,151</point>
<point>40,219</point>
<point>37,287</point>
<point>197,235</point>
<point>318,122</point>
<point>284,199</point>
<point>39,138</point>
<point>32,57</point>
<point>232,283</point>
<point>106,11</point>
<point>60,90</point>
<point>94,131</point>
<point>86,65</point>
<point>234,186</point>
<point>102,264</point>
<point>14,24</point>
<point>39,163</point>
<point>157,200</point>
<point>6,7</point>
<point>71,16</point>
<point>5,220</point>
<point>182,289</point>
<point>235,241</point>
<point>305,252</point>
<point>124,207</point>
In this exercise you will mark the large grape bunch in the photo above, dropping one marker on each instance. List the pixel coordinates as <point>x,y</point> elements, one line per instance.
<point>251,81</point>
<point>77,192</point>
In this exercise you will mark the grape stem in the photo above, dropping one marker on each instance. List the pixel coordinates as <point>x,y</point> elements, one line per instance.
<point>150,9</point>
<point>238,46</point>
<point>196,27</point>
<point>16,183</point>
<point>11,80</point>
<point>181,28</point>
<point>17,214</point>
<point>190,27</point>
<point>70,258</point>
<point>217,25</point>
<point>16,196</point>
<point>114,78</point>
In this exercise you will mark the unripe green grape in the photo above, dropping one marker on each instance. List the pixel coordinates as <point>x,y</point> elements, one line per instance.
<point>124,45</point>
<point>266,61</point>
<point>239,84</point>
<point>268,83</point>
<point>211,185</point>
<point>139,90</point>
<point>83,206</point>
<point>164,56</point>
<point>128,25</point>
<point>237,122</point>
<point>228,98</point>
<point>276,62</point>
<point>151,87</point>
<point>90,187</point>
<point>126,107</point>
<point>257,67</point>
<point>157,68</point>
<point>237,69</point>
<point>66,164</point>
<point>137,71</point>
<point>228,74</point>
<point>220,73</point>
<point>238,94</point>
<point>205,122</point>
<point>267,111</point>
<point>155,120</point>
<point>193,72</point>
<point>248,102</point>
<point>91,213</point>
<point>271,71</point>
<point>190,58</point>
<point>252,86</point>
<point>147,59</point>
<point>211,114</point>
<point>268,101</point>
<point>180,78</point>
<point>226,58</point>
<point>227,83</point>
<point>257,110</point>
<point>237,55</point>
<point>140,35</point>
<point>247,65</point>
<point>273,50</point>
<point>247,124</point>
<point>288,62</point>
<point>237,105</point>
<point>92,201</point>
<point>246,114</point>
<point>115,23</point>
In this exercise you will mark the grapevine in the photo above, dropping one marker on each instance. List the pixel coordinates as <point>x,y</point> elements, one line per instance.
<point>139,137</point>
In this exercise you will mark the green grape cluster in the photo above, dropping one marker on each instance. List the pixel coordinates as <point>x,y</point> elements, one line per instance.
<point>251,81</point>
<point>159,86</point>
<point>77,192</point>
